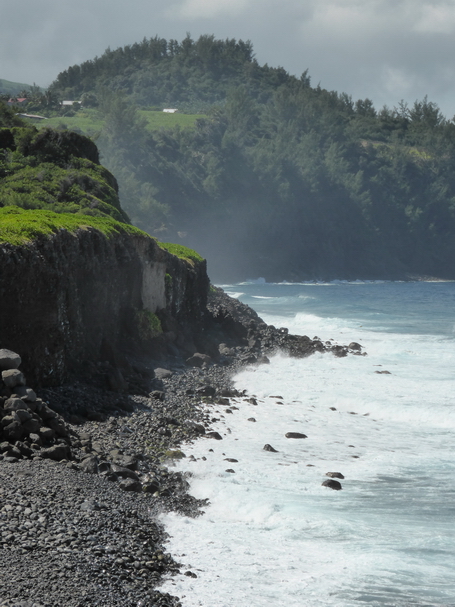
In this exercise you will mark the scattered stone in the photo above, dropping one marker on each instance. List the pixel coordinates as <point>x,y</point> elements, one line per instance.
<point>213,434</point>
<point>230,459</point>
<point>269,448</point>
<point>354,346</point>
<point>230,470</point>
<point>251,419</point>
<point>335,485</point>
<point>334,475</point>
<point>295,435</point>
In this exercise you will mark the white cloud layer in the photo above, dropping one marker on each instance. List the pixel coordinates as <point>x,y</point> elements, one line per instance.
<point>386,50</point>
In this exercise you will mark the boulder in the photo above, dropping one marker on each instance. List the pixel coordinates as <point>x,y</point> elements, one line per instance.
<point>295,435</point>
<point>269,448</point>
<point>13,377</point>
<point>334,475</point>
<point>215,435</point>
<point>9,359</point>
<point>56,452</point>
<point>335,485</point>
<point>15,404</point>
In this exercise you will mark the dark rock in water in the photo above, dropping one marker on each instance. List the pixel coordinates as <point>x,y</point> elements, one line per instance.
<point>335,485</point>
<point>354,346</point>
<point>252,401</point>
<point>269,448</point>
<point>383,372</point>
<point>295,435</point>
<point>9,359</point>
<point>215,435</point>
<point>334,474</point>
<point>230,470</point>
<point>231,459</point>
<point>251,419</point>
<point>190,574</point>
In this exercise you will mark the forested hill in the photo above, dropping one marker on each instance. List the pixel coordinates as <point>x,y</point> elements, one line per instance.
<point>190,75</point>
<point>280,179</point>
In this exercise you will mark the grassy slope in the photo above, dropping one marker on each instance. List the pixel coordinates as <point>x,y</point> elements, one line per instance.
<point>19,226</point>
<point>89,123</point>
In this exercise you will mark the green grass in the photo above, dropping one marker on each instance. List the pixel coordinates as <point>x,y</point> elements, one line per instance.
<point>182,252</point>
<point>157,120</point>
<point>19,226</point>
<point>89,122</point>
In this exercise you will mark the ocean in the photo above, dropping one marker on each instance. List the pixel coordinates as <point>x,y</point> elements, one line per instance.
<point>272,534</point>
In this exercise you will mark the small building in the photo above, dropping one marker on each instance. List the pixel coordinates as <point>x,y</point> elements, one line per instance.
<point>17,101</point>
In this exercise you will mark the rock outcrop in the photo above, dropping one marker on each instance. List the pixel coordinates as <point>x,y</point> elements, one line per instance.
<point>78,298</point>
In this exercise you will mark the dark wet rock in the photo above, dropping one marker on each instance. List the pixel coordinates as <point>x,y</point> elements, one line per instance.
<point>295,435</point>
<point>230,459</point>
<point>251,419</point>
<point>230,470</point>
<point>383,372</point>
<point>190,574</point>
<point>334,475</point>
<point>269,448</point>
<point>213,434</point>
<point>331,484</point>
<point>354,346</point>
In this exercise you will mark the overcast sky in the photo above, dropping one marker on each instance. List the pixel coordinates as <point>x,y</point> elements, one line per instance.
<point>387,50</point>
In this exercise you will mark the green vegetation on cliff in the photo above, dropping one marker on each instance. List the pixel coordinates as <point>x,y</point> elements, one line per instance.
<point>19,226</point>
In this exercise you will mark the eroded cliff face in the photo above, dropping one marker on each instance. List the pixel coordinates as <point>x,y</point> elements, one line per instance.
<point>68,299</point>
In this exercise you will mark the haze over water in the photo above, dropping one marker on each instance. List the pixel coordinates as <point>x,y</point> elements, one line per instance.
<point>272,535</point>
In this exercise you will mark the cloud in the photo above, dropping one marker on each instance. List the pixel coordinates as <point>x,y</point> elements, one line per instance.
<point>209,9</point>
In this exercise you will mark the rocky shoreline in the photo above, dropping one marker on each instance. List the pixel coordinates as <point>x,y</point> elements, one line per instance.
<point>79,506</point>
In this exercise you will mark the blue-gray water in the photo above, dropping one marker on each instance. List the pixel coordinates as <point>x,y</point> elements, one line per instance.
<point>272,534</point>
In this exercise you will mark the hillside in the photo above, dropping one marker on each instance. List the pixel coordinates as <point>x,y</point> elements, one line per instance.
<point>12,88</point>
<point>279,179</point>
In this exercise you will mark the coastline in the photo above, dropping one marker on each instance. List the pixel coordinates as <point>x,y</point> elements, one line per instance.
<point>83,531</point>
